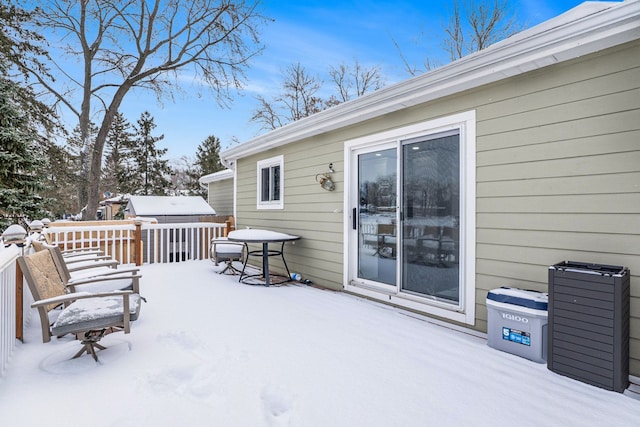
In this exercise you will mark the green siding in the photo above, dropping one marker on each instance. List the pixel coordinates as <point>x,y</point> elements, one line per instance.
<point>308,212</point>
<point>558,178</point>
<point>558,175</point>
<point>221,197</point>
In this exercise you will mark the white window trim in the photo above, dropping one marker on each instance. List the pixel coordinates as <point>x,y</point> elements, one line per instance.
<point>273,204</point>
<point>466,124</point>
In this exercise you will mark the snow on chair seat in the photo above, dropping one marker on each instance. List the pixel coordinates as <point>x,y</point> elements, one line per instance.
<point>88,315</point>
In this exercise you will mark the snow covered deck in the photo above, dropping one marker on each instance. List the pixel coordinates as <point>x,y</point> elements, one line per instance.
<point>209,351</point>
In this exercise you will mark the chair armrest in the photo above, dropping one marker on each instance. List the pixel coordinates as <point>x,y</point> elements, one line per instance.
<point>78,295</point>
<point>106,283</point>
<point>82,251</point>
<point>119,272</point>
<point>100,263</point>
<point>98,279</point>
<point>83,258</point>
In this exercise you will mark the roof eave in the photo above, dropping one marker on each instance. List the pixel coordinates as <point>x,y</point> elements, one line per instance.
<point>599,26</point>
<point>216,176</point>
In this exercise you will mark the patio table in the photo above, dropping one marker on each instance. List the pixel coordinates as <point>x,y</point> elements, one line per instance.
<point>265,237</point>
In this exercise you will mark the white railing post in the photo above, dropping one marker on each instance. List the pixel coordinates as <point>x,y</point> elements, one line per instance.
<point>8,305</point>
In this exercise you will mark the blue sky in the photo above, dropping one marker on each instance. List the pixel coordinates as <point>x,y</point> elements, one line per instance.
<point>317,34</point>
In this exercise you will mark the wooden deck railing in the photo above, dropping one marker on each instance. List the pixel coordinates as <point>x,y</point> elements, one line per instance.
<point>138,241</point>
<point>130,242</point>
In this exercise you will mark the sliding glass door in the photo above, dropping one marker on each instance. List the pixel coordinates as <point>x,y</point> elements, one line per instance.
<point>414,248</point>
<point>431,217</point>
<point>376,215</point>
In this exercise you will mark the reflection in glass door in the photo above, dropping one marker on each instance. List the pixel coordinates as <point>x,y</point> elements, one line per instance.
<point>377,236</point>
<point>414,248</point>
<point>431,217</point>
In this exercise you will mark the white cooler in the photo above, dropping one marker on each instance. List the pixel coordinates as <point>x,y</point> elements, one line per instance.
<point>517,322</point>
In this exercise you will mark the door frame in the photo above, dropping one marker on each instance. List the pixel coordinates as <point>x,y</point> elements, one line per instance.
<point>465,123</point>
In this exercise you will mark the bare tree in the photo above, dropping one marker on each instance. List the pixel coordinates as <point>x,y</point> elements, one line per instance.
<point>267,114</point>
<point>298,99</point>
<point>478,25</point>
<point>472,26</point>
<point>145,44</point>
<point>299,96</point>
<point>454,42</point>
<point>412,69</point>
<point>354,81</point>
<point>184,179</point>
<point>300,90</point>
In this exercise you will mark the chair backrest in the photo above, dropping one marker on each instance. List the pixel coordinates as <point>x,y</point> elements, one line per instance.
<point>389,229</point>
<point>61,265</point>
<point>44,281</point>
<point>42,276</point>
<point>38,245</point>
<point>57,256</point>
<point>222,249</point>
<point>432,232</point>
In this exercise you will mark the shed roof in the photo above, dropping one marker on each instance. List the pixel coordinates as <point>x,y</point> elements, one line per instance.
<point>169,205</point>
<point>585,29</point>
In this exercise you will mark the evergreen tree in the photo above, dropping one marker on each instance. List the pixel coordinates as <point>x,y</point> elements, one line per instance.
<point>22,116</point>
<point>61,180</point>
<point>149,168</point>
<point>80,151</point>
<point>118,162</point>
<point>20,50</point>
<point>208,156</point>
<point>207,161</point>
<point>20,160</point>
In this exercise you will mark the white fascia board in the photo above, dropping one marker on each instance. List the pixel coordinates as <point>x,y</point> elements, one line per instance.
<point>586,29</point>
<point>216,176</point>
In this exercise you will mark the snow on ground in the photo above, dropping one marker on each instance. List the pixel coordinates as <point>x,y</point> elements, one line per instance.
<point>208,351</point>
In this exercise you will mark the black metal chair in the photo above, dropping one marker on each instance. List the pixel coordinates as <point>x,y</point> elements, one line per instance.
<point>228,252</point>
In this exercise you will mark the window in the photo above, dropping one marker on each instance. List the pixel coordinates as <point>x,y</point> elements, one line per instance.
<point>270,183</point>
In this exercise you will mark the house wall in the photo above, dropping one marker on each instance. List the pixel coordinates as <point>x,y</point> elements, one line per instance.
<point>221,197</point>
<point>309,211</point>
<point>558,178</point>
<point>558,175</point>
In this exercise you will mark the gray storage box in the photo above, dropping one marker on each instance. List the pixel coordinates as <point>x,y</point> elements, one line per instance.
<point>589,310</point>
<point>517,322</point>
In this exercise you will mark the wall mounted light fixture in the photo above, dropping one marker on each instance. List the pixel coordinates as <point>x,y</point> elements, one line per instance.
<point>325,179</point>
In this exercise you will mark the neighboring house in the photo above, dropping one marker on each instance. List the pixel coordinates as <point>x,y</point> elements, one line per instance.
<point>169,209</point>
<point>475,175</point>
<point>219,187</point>
<point>110,207</point>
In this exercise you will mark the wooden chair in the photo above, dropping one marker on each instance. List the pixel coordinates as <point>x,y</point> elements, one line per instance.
<point>450,245</point>
<point>76,269</point>
<point>88,315</point>
<point>428,245</point>
<point>382,237</point>
<point>92,252</point>
<point>387,240</point>
<point>123,278</point>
